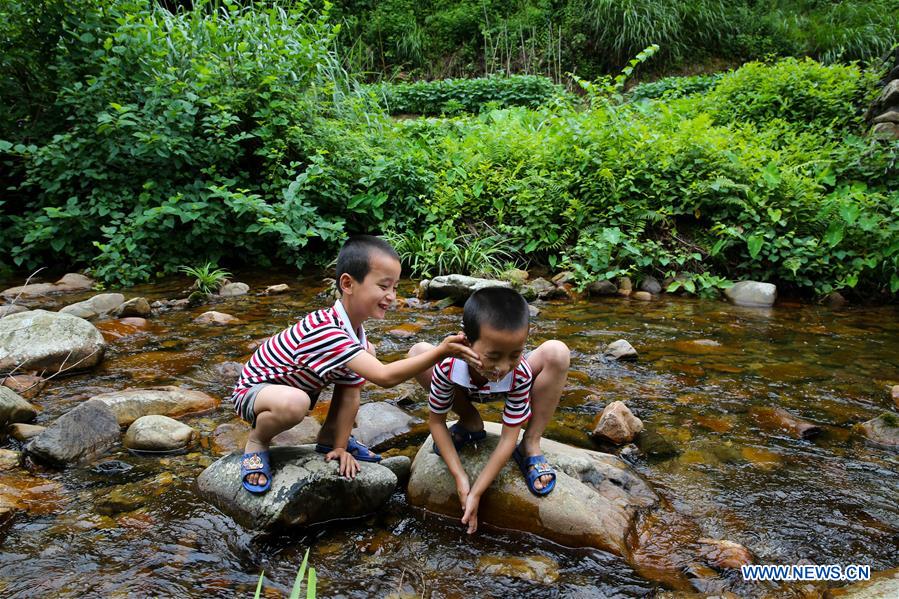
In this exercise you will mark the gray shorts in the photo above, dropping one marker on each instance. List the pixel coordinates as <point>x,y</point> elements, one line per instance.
<point>245,405</point>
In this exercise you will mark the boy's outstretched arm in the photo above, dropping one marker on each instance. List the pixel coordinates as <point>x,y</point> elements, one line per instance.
<point>394,373</point>
<point>444,442</point>
<point>508,438</point>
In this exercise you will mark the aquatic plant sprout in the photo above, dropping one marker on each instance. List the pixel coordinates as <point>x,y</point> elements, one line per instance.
<point>297,583</point>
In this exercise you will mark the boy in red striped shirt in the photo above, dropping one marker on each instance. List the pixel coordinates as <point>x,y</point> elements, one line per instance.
<point>495,321</point>
<point>281,382</point>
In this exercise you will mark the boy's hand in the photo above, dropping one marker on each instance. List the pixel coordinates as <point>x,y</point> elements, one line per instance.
<point>462,488</point>
<point>470,517</point>
<point>348,465</point>
<point>457,347</point>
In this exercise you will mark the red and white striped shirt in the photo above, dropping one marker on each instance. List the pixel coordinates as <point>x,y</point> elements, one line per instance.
<point>514,388</point>
<point>308,355</point>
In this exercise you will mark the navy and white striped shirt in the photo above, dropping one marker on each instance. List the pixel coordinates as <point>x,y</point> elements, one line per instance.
<point>514,388</point>
<point>308,355</point>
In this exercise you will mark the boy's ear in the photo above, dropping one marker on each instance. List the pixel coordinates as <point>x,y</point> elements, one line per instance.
<point>345,283</point>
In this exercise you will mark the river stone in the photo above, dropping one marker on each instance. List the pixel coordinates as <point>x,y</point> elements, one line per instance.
<point>137,306</point>
<point>26,385</point>
<point>130,404</point>
<point>779,419</point>
<point>9,459</point>
<point>158,433</point>
<point>651,285</point>
<point>95,307</point>
<point>23,432</point>
<point>889,95</point>
<point>533,568</point>
<point>213,317</point>
<point>305,490</point>
<point>400,465</point>
<point>625,286</point>
<point>887,131</point>
<point>78,436</point>
<point>620,350</point>
<point>602,288</point>
<point>891,116</point>
<point>380,422</point>
<point>234,289</point>
<point>69,283</point>
<point>459,287</point>
<point>594,504</point>
<point>13,408</point>
<point>300,434</point>
<point>643,296</point>
<point>13,309</point>
<point>882,431</point>
<point>883,585</point>
<point>49,341</point>
<point>617,424</point>
<point>276,289</point>
<point>752,293</point>
<point>723,554</point>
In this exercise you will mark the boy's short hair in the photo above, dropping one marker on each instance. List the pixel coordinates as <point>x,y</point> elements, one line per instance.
<point>502,308</point>
<point>354,258</point>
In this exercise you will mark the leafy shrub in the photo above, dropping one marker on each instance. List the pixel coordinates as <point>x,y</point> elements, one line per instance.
<point>674,87</point>
<point>455,96</point>
<point>803,92</point>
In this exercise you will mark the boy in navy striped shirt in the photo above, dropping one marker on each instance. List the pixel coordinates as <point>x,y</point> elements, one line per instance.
<point>281,382</point>
<point>495,321</point>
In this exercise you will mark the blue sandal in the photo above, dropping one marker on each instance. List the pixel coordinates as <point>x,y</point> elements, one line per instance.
<point>354,448</point>
<point>461,437</point>
<point>256,462</point>
<point>534,467</point>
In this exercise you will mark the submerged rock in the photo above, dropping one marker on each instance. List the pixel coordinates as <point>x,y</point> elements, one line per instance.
<point>49,341</point>
<point>458,287</point>
<point>617,424</point>
<point>78,436</point>
<point>594,504</point>
<point>130,404</point>
<point>158,433</point>
<point>305,490</point>
<point>26,385</point>
<point>95,307</point>
<point>532,568</point>
<point>9,459</point>
<point>882,431</point>
<point>380,422</point>
<point>780,419</point>
<point>643,296</point>
<point>752,294</point>
<point>276,289</point>
<point>14,408</point>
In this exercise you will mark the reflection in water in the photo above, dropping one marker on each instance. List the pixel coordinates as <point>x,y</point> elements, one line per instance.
<point>706,372</point>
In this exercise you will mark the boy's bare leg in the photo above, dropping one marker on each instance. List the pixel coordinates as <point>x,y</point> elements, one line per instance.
<point>549,365</point>
<point>423,378</point>
<point>278,408</point>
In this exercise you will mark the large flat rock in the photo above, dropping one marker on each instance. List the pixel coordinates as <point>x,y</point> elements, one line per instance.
<point>130,404</point>
<point>49,342</point>
<point>77,437</point>
<point>69,283</point>
<point>305,490</point>
<point>459,287</point>
<point>594,504</point>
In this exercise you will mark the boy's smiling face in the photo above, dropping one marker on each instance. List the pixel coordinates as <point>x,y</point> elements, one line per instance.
<point>372,297</point>
<point>500,351</point>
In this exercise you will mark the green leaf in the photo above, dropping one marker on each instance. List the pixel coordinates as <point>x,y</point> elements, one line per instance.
<point>849,212</point>
<point>259,585</point>
<point>690,286</point>
<point>755,243</point>
<point>311,584</point>
<point>771,175</point>
<point>894,283</point>
<point>298,582</point>
<point>834,234</point>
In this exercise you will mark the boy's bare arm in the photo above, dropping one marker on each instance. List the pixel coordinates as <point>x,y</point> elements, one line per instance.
<point>508,438</point>
<point>444,441</point>
<point>394,373</point>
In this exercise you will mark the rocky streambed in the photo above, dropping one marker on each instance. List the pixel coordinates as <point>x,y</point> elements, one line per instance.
<point>714,435</point>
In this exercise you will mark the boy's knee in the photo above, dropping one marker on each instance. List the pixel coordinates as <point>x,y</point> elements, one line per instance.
<point>557,354</point>
<point>419,348</point>
<point>292,409</point>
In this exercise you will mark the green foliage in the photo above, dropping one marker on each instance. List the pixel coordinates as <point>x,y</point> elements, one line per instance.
<point>208,278</point>
<point>441,250</point>
<point>800,91</point>
<point>605,89</point>
<point>457,96</point>
<point>674,87</point>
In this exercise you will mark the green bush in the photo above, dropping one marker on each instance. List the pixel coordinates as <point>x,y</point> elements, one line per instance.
<point>456,96</point>
<point>674,87</point>
<point>802,92</point>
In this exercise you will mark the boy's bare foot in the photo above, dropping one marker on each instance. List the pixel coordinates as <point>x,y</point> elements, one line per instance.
<point>531,448</point>
<point>255,478</point>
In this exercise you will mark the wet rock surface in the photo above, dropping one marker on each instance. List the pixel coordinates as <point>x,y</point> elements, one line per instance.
<point>158,433</point>
<point>76,437</point>
<point>617,424</point>
<point>14,408</point>
<point>130,404</point>
<point>95,307</point>
<point>49,342</point>
<point>305,490</point>
<point>381,422</point>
